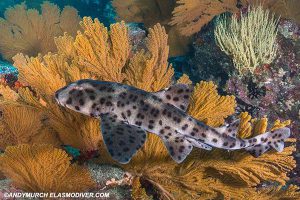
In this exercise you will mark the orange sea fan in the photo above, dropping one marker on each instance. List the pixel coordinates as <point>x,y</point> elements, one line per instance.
<point>192,15</point>
<point>151,12</point>
<point>31,32</point>
<point>43,168</point>
<point>208,106</point>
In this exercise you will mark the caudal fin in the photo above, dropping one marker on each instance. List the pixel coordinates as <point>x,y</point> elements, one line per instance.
<point>274,139</point>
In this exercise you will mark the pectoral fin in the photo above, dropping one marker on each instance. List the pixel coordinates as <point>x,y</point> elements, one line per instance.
<point>122,140</point>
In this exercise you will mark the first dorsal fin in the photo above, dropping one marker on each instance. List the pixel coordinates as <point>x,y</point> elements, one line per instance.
<point>178,95</point>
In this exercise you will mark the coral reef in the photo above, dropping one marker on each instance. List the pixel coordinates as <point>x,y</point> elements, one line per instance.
<point>261,89</point>
<point>43,168</point>
<point>31,32</point>
<point>202,64</point>
<point>150,12</point>
<point>191,16</point>
<point>240,39</point>
<point>100,54</point>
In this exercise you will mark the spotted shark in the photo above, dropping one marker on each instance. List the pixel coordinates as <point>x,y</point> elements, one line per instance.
<point>128,113</point>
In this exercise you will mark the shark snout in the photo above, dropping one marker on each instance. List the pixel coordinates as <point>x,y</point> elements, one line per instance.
<point>60,95</point>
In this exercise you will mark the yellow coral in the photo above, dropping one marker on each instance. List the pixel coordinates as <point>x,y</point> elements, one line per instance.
<point>191,16</point>
<point>43,168</point>
<point>150,71</point>
<point>235,37</point>
<point>101,56</point>
<point>208,106</point>
<point>138,193</point>
<point>151,12</point>
<point>7,93</point>
<point>249,127</point>
<point>31,33</point>
<point>184,79</point>
<point>17,127</point>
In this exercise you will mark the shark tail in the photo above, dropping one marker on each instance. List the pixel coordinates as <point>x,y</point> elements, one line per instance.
<point>262,143</point>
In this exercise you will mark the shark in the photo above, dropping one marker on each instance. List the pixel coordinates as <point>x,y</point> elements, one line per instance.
<point>127,114</point>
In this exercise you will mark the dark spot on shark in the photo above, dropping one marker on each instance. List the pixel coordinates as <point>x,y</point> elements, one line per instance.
<point>119,132</point>
<point>138,123</point>
<point>179,91</point>
<point>102,100</point>
<point>175,99</point>
<point>184,127</point>
<point>196,130</point>
<point>169,114</point>
<point>69,101</point>
<point>77,108</point>
<point>108,103</point>
<point>90,91</point>
<point>141,116</point>
<point>122,143</point>
<point>215,140</point>
<point>225,144</point>
<point>181,148</point>
<point>232,145</point>
<point>168,97</point>
<point>150,127</point>
<point>81,102</point>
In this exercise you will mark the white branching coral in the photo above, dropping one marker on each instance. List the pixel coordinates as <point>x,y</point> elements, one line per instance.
<point>250,40</point>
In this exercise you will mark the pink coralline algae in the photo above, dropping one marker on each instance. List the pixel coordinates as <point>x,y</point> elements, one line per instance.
<point>274,90</point>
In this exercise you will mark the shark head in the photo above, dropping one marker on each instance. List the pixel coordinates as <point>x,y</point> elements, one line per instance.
<point>84,96</point>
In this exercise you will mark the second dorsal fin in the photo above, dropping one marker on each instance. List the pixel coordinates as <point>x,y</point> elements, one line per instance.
<point>178,95</point>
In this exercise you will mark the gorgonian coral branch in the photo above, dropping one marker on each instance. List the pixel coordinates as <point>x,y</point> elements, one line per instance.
<point>191,15</point>
<point>31,32</point>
